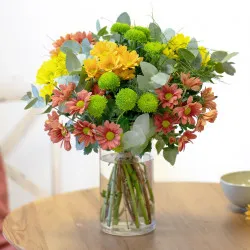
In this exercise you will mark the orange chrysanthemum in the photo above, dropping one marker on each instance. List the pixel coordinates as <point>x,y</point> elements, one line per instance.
<point>208,96</point>
<point>78,37</point>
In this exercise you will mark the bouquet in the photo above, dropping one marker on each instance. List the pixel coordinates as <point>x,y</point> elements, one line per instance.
<point>122,88</point>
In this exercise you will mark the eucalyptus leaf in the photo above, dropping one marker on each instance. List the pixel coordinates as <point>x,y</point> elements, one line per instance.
<point>148,69</point>
<point>115,37</point>
<point>143,122</point>
<point>144,83</point>
<point>186,55</point>
<point>124,18</point>
<point>67,79</point>
<point>155,32</point>
<point>219,68</point>
<point>79,146</point>
<point>228,68</point>
<point>170,154</point>
<point>160,79</point>
<point>229,56</point>
<point>98,25</point>
<point>218,56</point>
<point>31,103</point>
<point>86,46</point>
<point>197,61</point>
<point>72,62</point>
<point>193,47</point>
<point>168,34</point>
<point>25,98</point>
<point>47,99</point>
<point>71,45</point>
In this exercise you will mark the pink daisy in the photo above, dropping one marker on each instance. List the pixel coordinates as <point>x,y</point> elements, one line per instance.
<point>208,96</point>
<point>164,123</point>
<point>60,133</point>
<point>62,95</point>
<point>191,82</point>
<point>186,113</point>
<point>85,132</point>
<point>171,140</point>
<point>80,104</point>
<point>108,135</point>
<point>169,95</point>
<point>184,139</point>
<point>52,122</point>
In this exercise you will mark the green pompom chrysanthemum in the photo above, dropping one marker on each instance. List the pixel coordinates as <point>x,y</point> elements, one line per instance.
<point>153,48</point>
<point>97,105</point>
<point>146,31</point>
<point>109,81</point>
<point>148,103</point>
<point>120,28</point>
<point>126,99</point>
<point>135,35</point>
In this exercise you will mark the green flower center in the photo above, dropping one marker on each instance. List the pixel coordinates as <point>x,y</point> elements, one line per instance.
<point>64,132</point>
<point>86,130</point>
<point>187,111</point>
<point>80,104</point>
<point>110,136</point>
<point>165,124</point>
<point>168,96</point>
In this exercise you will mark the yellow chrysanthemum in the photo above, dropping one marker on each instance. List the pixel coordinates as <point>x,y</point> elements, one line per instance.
<point>204,55</point>
<point>47,90</point>
<point>121,49</point>
<point>91,67</point>
<point>103,48</point>
<point>178,41</point>
<point>127,74</point>
<point>130,59</point>
<point>109,62</point>
<point>247,213</point>
<point>46,73</point>
<point>51,69</point>
<point>170,53</point>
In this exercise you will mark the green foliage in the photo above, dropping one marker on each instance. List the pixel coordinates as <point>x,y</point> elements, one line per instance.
<point>124,124</point>
<point>103,31</point>
<point>72,46</point>
<point>160,144</point>
<point>218,56</point>
<point>124,18</point>
<point>47,110</point>
<point>31,103</point>
<point>170,154</point>
<point>155,32</point>
<point>186,55</point>
<point>72,62</point>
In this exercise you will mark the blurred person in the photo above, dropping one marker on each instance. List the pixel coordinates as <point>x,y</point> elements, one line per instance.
<point>4,208</point>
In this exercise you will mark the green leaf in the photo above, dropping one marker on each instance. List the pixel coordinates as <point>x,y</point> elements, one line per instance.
<point>31,103</point>
<point>86,46</point>
<point>103,31</point>
<point>47,99</point>
<point>107,37</point>
<point>160,144</point>
<point>148,69</point>
<point>71,45</point>
<point>88,150</point>
<point>160,79</point>
<point>219,68</point>
<point>27,96</point>
<point>229,56</point>
<point>124,18</point>
<point>155,32</point>
<point>186,55</point>
<point>218,56</point>
<point>144,83</point>
<point>47,110</point>
<point>228,68</point>
<point>72,62</point>
<point>124,123</point>
<point>170,154</point>
<point>193,47</point>
<point>98,25</point>
<point>168,34</point>
<point>197,61</point>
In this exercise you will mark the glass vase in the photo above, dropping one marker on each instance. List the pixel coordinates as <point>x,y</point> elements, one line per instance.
<point>127,199</point>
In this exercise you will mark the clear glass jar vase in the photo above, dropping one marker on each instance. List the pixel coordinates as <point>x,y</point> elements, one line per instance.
<point>127,199</point>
